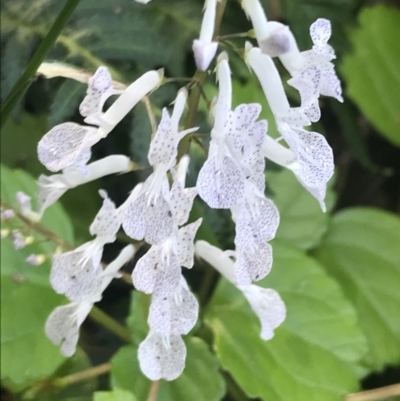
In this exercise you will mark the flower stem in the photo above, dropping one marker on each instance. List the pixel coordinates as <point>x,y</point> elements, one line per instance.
<point>110,323</point>
<point>153,392</point>
<point>83,375</point>
<point>26,78</point>
<point>195,93</point>
<point>375,394</point>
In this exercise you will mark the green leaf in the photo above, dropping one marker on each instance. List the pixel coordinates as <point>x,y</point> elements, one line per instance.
<point>115,395</point>
<point>27,298</point>
<point>19,142</point>
<point>200,381</point>
<point>361,251</point>
<point>372,69</point>
<point>66,101</point>
<point>313,355</point>
<point>55,217</point>
<point>302,222</point>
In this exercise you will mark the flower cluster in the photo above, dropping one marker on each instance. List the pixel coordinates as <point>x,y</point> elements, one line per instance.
<point>157,210</point>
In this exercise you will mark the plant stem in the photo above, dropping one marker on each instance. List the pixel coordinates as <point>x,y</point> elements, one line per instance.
<point>375,394</point>
<point>82,375</point>
<point>110,323</point>
<point>153,392</point>
<point>196,91</point>
<point>26,78</point>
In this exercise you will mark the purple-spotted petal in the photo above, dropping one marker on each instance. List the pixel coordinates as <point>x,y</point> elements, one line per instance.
<point>253,264</point>
<point>185,244</point>
<point>159,360</point>
<point>63,145</point>
<point>157,272</point>
<point>268,306</point>
<point>220,182</point>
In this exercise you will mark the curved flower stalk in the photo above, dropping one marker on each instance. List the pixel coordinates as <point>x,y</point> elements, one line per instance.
<point>62,326</point>
<point>51,188</point>
<point>265,302</point>
<point>204,48</point>
<point>150,216</point>
<point>68,145</point>
<point>313,158</point>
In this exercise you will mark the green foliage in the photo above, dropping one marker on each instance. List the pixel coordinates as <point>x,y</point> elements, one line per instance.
<point>115,395</point>
<point>372,69</point>
<point>27,298</point>
<point>200,380</point>
<point>314,354</point>
<point>361,251</point>
<point>302,222</point>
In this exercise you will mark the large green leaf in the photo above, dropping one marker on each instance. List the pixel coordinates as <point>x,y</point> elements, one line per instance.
<point>362,252</point>
<point>313,355</point>
<point>200,380</point>
<point>302,222</point>
<point>115,395</point>
<point>372,69</point>
<point>27,298</point>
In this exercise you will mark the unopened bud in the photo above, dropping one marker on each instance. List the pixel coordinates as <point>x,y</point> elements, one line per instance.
<point>35,260</point>
<point>5,233</point>
<point>7,214</point>
<point>29,240</point>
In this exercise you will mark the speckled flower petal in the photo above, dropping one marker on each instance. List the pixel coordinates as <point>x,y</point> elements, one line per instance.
<point>268,306</point>
<point>163,145</point>
<point>81,161</point>
<point>253,264</point>
<point>62,326</point>
<point>157,361</point>
<point>313,111</point>
<point>64,144</point>
<point>240,123</point>
<point>134,219</point>
<point>220,183</point>
<point>51,188</point>
<point>331,85</point>
<point>99,89</point>
<point>256,222</point>
<point>181,202</point>
<point>107,221</point>
<point>175,314</point>
<point>320,32</point>
<point>157,272</point>
<point>308,83</point>
<point>75,275</point>
<point>185,244</point>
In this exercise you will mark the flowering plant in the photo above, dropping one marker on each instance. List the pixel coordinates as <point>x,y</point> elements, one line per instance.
<point>205,192</point>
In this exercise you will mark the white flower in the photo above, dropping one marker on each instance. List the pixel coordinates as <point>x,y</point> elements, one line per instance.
<point>68,144</point>
<point>266,303</point>
<point>204,48</point>
<point>62,326</point>
<point>150,216</point>
<point>313,158</point>
<point>76,273</point>
<point>100,88</point>
<point>51,188</point>
<point>175,314</point>
<point>161,358</point>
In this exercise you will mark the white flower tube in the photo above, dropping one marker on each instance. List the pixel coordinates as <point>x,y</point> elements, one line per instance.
<point>129,98</point>
<point>204,48</point>
<point>256,13</point>
<point>265,302</point>
<point>51,188</point>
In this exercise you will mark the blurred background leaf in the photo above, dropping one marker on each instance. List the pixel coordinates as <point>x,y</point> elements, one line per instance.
<point>361,251</point>
<point>372,69</point>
